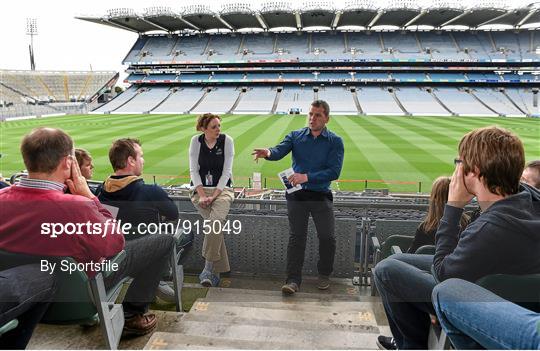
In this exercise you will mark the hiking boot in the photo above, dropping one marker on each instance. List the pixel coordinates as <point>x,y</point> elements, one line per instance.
<point>208,279</point>
<point>140,324</point>
<point>386,343</point>
<point>289,288</point>
<point>323,282</point>
<point>165,292</point>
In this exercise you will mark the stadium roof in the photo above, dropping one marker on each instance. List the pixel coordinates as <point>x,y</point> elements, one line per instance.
<point>318,13</point>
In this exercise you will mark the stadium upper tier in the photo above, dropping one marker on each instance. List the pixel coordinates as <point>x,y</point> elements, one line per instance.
<point>44,86</point>
<point>332,77</point>
<point>334,46</point>
<point>360,13</point>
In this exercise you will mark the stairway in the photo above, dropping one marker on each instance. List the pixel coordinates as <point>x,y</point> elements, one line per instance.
<point>443,105</point>
<point>483,103</point>
<point>276,101</point>
<point>236,102</point>
<point>171,92</point>
<point>248,313</point>
<point>206,92</point>
<point>526,113</point>
<point>357,102</point>
<point>265,319</point>
<point>398,102</point>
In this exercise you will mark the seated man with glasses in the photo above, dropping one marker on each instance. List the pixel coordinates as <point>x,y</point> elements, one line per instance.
<point>505,238</point>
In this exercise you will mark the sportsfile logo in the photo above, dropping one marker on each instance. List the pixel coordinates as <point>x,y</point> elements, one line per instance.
<point>207,226</point>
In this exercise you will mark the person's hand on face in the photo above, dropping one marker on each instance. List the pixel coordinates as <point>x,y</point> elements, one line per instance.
<point>77,183</point>
<point>458,195</point>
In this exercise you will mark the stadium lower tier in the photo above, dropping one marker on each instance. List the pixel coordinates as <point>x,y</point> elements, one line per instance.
<point>342,99</point>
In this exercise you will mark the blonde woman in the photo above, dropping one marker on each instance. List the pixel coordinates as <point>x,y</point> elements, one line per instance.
<point>425,233</point>
<point>210,164</point>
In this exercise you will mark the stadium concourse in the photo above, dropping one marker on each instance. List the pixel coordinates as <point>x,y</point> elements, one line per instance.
<point>365,60</point>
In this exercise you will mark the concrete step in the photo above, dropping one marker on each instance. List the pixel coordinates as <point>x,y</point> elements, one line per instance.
<point>272,295</point>
<point>174,341</point>
<point>306,335</point>
<point>75,337</point>
<point>359,314</point>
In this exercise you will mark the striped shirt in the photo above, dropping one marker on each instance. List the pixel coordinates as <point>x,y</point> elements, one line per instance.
<point>41,184</point>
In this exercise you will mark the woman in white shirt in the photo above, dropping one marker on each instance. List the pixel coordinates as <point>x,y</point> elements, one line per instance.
<point>210,165</point>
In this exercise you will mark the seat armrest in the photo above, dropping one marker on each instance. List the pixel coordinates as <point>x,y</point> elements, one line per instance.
<point>376,243</point>
<point>396,249</point>
<point>118,258</point>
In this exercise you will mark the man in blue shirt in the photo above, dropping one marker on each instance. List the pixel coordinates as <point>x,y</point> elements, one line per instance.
<point>317,159</point>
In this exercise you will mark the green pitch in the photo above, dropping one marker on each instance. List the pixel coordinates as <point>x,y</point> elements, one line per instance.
<point>389,152</point>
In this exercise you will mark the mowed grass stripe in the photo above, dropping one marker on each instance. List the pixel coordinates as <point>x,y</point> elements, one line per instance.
<point>385,153</point>
<point>381,156</point>
<point>424,161</point>
<point>409,133</point>
<point>419,127</point>
<point>353,152</point>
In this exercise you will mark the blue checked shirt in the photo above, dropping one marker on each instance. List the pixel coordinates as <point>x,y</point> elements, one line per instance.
<point>321,158</point>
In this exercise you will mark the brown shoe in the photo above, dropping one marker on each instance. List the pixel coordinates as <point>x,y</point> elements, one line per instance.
<point>289,288</point>
<point>140,324</point>
<point>323,282</point>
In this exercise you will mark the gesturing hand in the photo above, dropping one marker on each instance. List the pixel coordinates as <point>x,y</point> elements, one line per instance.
<point>298,178</point>
<point>458,195</point>
<point>260,153</point>
<point>77,183</point>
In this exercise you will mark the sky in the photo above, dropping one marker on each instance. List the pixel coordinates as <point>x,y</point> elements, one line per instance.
<point>65,43</point>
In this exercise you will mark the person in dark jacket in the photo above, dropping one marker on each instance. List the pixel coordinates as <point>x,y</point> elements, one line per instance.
<point>138,203</point>
<point>425,233</point>
<point>505,238</point>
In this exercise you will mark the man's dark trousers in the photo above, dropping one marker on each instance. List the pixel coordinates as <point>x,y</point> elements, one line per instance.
<point>300,205</point>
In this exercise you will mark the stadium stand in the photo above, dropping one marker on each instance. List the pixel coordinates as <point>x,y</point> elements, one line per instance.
<point>419,102</point>
<point>181,100</point>
<point>257,100</point>
<point>145,101</point>
<point>295,99</point>
<point>340,98</point>
<point>397,70</point>
<point>218,100</point>
<point>30,93</point>
<point>378,101</point>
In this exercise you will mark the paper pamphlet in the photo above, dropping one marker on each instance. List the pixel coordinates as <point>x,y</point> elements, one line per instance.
<point>284,177</point>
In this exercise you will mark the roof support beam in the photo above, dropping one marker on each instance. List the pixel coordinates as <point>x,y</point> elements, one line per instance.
<point>376,18</point>
<point>495,18</point>
<point>526,18</point>
<point>155,24</point>
<point>225,23</point>
<point>298,20</point>
<point>261,21</point>
<point>119,25</point>
<point>337,17</point>
<point>416,18</point>
<point>189,23</point>
<point>455,18</point>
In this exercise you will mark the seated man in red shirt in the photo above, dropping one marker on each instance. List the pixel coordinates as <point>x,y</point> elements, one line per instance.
<point>38,218</point>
